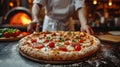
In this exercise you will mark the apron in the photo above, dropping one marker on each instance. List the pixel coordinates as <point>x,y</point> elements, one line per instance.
<point>56,25</point>
<point>58,14</point>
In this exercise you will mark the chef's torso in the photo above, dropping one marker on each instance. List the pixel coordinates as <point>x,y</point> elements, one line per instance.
<point>59,10</point>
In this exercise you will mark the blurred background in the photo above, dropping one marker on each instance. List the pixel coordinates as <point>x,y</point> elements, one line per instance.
<point>101,14</point>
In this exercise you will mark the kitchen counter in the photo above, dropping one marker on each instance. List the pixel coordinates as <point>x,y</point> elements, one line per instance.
<point>107,56</point>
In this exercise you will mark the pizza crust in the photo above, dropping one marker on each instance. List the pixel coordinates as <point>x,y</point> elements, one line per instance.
<point>55,55</point>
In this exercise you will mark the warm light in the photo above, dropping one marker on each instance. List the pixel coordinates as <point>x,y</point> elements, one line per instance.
<point>20,19</point>
<point>110,3</point>
<point>30,1</point>
<point>25,20</point>
<point>11,4</point>
<point>95,2</point>
<point>89,15</point>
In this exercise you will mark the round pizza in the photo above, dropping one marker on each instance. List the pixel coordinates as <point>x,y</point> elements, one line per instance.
<point>59,45</point>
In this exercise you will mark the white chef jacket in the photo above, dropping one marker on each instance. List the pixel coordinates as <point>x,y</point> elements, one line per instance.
<point>58,13</point>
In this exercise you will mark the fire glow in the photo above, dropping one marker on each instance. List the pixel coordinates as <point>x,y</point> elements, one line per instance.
<point>20,18</point>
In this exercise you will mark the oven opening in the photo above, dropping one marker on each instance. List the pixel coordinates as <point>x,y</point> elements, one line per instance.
<point>20,19</point>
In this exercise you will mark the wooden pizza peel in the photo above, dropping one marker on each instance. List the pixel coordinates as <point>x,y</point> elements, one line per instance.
<point>110,38</point>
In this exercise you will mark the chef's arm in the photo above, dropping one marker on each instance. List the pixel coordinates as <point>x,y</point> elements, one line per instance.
<point>83,20</point>
<point>36,13</point>
<point>82,16</point>
<point>35,24</point>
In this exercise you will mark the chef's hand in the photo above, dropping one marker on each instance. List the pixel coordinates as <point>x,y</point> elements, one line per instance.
<point>33,26</point>
<point>86,28</point>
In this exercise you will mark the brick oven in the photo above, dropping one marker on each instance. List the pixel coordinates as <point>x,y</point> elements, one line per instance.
<point>18,17</point>
<point>15,13</point>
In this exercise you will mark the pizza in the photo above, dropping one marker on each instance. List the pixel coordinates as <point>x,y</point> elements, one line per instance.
<point>11,34</point>
<point>59,45</point>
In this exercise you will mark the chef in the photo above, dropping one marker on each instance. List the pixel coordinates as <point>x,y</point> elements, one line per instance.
<point>58,15</point>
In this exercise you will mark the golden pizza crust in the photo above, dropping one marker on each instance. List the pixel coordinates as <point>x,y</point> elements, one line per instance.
<point>55,55</point>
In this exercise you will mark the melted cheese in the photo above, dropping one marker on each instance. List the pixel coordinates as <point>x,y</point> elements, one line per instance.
<point>40,40</point>
<point>45,49</point>
<point>69,47</point>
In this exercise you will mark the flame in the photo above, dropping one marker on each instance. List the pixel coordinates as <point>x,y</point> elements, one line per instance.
<point>20,18</point>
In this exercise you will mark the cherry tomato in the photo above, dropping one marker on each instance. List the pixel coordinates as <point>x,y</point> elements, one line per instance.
<point>33,40</point>
<point>77,48</point>
<point>44,35</point>
<point>74,45</point>
<point>38,46</point>
<point>16,33</point>
<point>51,44</point>
<point>6,34</point>
<point>81,41</point>
<point>62,48</point>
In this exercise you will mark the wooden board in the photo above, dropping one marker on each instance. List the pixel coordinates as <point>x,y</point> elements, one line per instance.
<point>23,34</point>
<point>110,38</point>
<point>10,39</point>
<point>114,32</point>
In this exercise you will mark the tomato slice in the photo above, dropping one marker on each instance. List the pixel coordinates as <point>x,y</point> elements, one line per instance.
<point>53,34</point>
<point>46,41</point>
<point>62,48</point>
<point>38,46</point>
<point>51,44</point>
<point>66,43</point>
